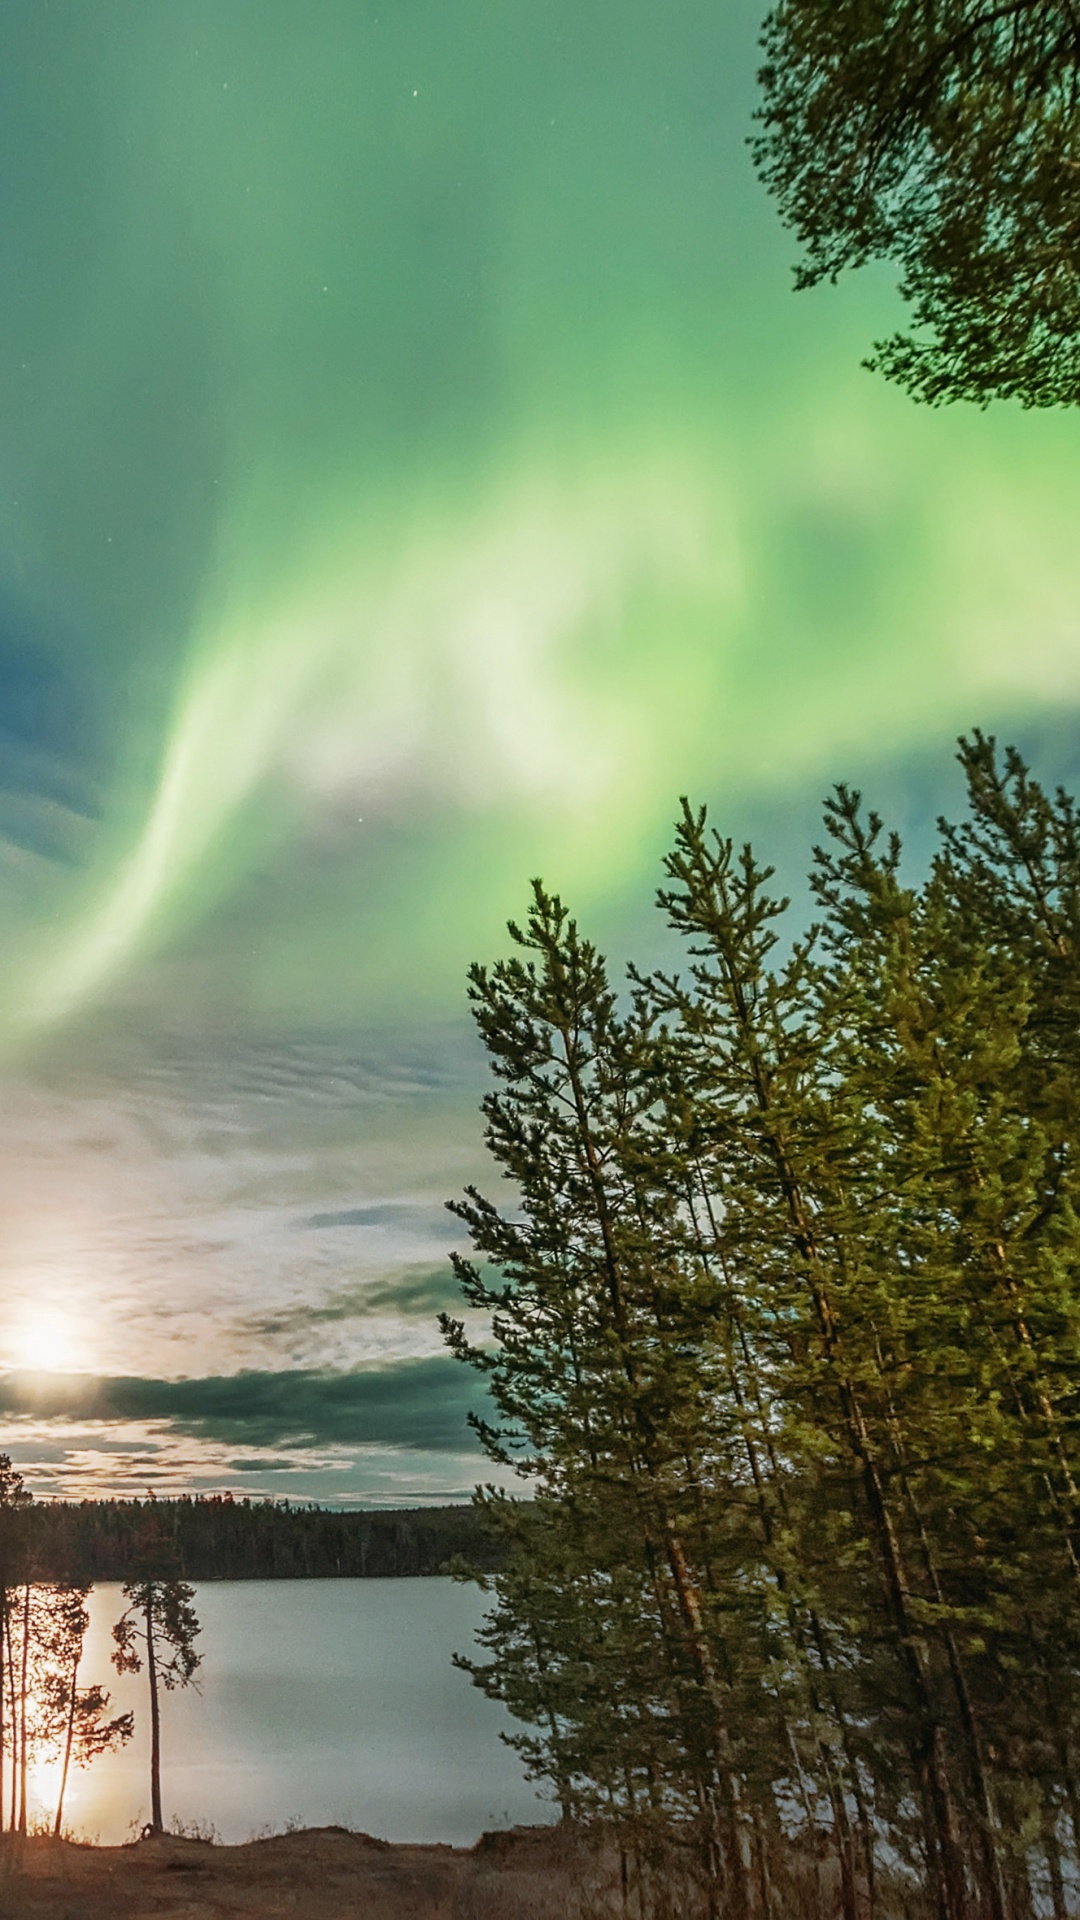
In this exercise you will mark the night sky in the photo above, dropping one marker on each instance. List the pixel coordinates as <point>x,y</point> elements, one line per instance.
<point>415,472</point>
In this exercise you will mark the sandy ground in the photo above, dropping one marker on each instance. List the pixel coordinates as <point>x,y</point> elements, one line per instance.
<point>322,1874</point>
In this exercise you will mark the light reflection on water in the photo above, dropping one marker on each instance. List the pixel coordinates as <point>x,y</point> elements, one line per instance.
<point>321,1702</point>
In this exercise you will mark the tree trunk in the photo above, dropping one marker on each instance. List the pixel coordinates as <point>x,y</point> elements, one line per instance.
<point>1053,1864</point>
<point>67,1744</point>
<point>156,1821</point>
<point>764,1492</point>
<point>987,1826</point>
<point>3,1722</point>
<point>724,1839</point>
<point>946,1853</point>
<point>22,1708</point>
<point>13,1718</point>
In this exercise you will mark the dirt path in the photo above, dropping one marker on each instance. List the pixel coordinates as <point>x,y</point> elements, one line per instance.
<point>323,1874</point>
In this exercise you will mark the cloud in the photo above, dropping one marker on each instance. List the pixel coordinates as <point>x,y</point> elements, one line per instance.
<point>190,1163</point>
<point>422,1293</point>
<point>413,1404</point>
<point>392,1213</point>
<point>68,1461</point>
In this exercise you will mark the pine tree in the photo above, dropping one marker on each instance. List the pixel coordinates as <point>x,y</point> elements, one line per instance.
<point>943,136</point>
<point>15,1498</point>
<point>784,1335</point>
<point>159,1624</point>
<point>597,1376</point>
<point>71,1718</point>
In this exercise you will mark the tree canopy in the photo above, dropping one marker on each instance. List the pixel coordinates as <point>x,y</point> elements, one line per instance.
<point>785,1341</point>
<point>944,136</point>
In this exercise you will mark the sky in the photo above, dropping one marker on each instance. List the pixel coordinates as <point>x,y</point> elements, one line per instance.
<point>416,471</point>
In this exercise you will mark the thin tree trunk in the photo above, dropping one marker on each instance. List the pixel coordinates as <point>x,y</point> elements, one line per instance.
<point>950,1892</point>
<point>22,1708</point>
<point>155,1719</point>
<point>1022,1906</point>
<point>987,1825</point>
<point>811,1821</point>
<point>67,1742</point>
<point>761,1860</point>
<point>687,1599</point>
<point>845,1852</point>
<point>13,1718</point>
<point>3,1720</point>
<point>723,1842</point>
<point>1052,1711</point>
<point>1053,1865</point>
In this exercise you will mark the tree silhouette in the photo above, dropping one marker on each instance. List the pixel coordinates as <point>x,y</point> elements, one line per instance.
<point>160,1624</point>
<point>47,1711</point>
<point>71,1717</point>
<point>15,1499</point>
<point>942,135</point>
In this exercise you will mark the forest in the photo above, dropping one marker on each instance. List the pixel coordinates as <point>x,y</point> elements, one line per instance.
<point>216,1537</point>
<point>786,1352</point>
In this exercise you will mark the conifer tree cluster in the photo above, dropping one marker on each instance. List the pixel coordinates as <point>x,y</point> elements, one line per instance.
<point>784,1345</point>
<point>44,1712</point>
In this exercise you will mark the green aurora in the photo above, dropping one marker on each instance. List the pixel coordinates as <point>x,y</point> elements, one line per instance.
<point>415,472</point>
<point>406,417</point>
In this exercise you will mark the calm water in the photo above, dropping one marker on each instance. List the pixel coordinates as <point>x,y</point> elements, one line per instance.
<point>322,1702</point>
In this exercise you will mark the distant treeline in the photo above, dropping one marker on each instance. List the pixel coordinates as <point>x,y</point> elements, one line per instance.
<point>219,1538</point>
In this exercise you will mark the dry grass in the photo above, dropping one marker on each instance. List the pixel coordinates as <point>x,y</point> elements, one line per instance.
<point>326,1873</point>
<point>321,1874</point>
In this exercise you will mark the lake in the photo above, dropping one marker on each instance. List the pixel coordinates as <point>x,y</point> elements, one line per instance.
<point>321,1702</point>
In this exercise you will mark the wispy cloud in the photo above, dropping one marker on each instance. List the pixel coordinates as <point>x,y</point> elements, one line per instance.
<point>396,1214</point>
<point>206,1203</point>
<point>93,1459</point>
<point>416,1293</point>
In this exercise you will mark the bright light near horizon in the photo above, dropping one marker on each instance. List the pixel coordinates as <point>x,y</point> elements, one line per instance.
<point>43,1787</point>
<point>44,1344</point>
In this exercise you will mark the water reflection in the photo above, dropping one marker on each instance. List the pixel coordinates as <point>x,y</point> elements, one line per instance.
<point>320,1702</point>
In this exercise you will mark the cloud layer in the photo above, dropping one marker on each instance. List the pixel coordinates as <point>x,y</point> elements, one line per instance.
<point>419,1404</point>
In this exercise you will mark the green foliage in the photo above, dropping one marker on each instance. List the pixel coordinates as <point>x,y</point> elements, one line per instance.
<point>944,137</point>
<point>785,1338</point>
